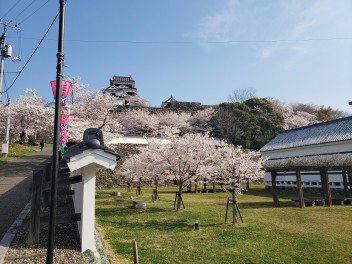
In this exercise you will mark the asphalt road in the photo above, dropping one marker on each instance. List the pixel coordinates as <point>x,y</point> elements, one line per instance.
<point>15,181</point>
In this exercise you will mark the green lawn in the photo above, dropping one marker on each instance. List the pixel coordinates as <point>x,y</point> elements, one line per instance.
<point>285,234</point>
<point>17,150</point>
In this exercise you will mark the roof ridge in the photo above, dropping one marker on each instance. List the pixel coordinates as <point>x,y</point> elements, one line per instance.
<point>317,124</point>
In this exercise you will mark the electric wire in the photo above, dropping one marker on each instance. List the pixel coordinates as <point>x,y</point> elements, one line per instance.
<point>19,73</point>
<point>24,9</point>
<point>33,12</point>
<point>202,42</point>
<point>10,9</point>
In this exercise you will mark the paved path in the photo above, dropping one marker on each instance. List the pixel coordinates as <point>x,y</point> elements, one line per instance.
<point>15,181</point>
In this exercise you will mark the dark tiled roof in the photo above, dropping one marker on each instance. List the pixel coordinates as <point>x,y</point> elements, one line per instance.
<point>332,131</point>
<point>172,103</point>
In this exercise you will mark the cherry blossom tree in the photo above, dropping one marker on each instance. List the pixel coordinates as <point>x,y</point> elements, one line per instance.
<point>91,109</point>
<point>138,122</point>
<point>4,111</point>
<point>185,158</point>
<point>31,115</point>
<point>295,115</point>
<point>146,166</point>
<point>78,88</point>
<point>236,165</point>
<point>135,170</point>
<point>200,121</point>
<point>172,121</point>
<point>137,100</point>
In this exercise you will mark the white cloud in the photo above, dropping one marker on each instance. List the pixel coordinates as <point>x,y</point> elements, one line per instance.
<point>291,25</point>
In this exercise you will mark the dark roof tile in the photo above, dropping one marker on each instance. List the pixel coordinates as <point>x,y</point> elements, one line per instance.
<point>332,131</point>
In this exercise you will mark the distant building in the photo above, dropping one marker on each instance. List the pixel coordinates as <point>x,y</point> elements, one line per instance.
<point>172,103</point>
<point>122,88</point>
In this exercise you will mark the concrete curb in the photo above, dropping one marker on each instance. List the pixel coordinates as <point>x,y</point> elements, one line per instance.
<point>10,234</point>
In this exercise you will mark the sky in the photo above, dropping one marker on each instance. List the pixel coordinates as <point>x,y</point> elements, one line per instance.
<point>195,50</point>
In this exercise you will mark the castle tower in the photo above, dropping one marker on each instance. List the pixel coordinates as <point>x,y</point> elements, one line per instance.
<point>122,88</point>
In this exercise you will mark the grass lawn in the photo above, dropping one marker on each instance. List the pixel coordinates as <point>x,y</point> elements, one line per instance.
<point>17,150</point>
<point>285,234</point>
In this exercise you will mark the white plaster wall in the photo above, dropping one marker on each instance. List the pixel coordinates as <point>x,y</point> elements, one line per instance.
<point>88,208</point>
<point>308,150</point>
<point>77,197</point>
<point>307,181</point>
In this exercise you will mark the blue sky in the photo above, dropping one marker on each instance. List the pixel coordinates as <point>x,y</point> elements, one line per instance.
<point>194,50</point>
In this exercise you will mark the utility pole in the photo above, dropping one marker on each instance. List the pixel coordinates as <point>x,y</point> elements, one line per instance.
<point>55,165</point>
<point>6,52</point>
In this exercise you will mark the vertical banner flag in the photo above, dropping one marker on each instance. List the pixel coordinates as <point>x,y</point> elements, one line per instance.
<point>63,138</point>
<point>63,121</point>
<point>66,89</point>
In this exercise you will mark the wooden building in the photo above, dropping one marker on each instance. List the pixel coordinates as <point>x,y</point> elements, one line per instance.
<point>312,159</point>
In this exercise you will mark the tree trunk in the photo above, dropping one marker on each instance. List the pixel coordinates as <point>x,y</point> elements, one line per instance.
<point>189,187</point>
<point>213,187</point>
<point>139,187</point>
<point>179,197</point>
<point>247,185</point>
<point>155,195</point>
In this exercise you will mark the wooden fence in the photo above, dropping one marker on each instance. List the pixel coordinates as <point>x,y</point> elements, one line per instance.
<point>41,193</point>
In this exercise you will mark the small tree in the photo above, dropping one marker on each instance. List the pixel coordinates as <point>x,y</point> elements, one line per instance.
<point>241,95</point>
<point>31,115</point>
<point>146,166</point>
<point>185,157</point>
<point>237,166</point>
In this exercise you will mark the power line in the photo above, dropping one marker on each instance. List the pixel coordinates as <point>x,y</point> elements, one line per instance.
<point>33,12</point>
<point>200,42</point>
<point>19,73</point>
<point>10,9</point>
<point>24,9</point>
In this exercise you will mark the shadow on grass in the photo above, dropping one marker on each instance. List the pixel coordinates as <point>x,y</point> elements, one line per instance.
<point>127,211</point>
<point>256,205</point>
<point>162,225</point>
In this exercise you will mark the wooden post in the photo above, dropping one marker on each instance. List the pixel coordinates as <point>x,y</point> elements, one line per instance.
<point>273,188</point>
<point>300,189</point>
<point>234,218</point>
<point>349,174</point>
<point>227,208</point>
<point>34,222</point>
<point>345,184</point>
<point>135,252</point>
<point>47,175</point>
<point>324,176</point>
